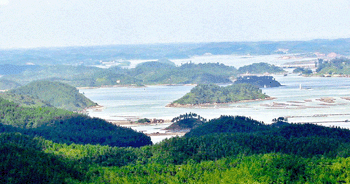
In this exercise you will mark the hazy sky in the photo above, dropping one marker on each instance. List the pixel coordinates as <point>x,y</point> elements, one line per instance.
<point>45,23</point>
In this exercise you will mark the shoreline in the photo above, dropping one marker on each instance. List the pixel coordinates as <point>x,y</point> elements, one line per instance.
<point>94,108</point>
<point>131,86</point>
<point>168,133</point>
<point>130,123</point>
<point>214,105</point>
<point>180,134</point>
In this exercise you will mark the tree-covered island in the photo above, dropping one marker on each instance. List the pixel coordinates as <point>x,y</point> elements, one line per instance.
<point>260,68</point>
<point>186,122</point>
<point>210,94</point>
<point>259,81</point>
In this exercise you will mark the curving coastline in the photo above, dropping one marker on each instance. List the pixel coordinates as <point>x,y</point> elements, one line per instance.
<point>214,105</point>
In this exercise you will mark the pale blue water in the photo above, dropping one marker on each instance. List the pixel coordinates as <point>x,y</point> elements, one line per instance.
<point>150,102</point>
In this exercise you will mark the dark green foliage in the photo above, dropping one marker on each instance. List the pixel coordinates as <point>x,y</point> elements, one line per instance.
<point>57,94</point>
<point>253,153</point>
<point>28,117</point>
<point>215,146</point>
<point>27,165</point>
<point>80,129</point>
<point>279,122</point>
<point>211,93</point>
<point>260,68</point>
<point>228,124</point>
<point>311,130</point>
<point>260,168</point>
<point>84,154</point>
<point>66,127</point>
<point>24,100</point>
<point>85,130</point>
<point>144,120</point>
<point>186,122</point>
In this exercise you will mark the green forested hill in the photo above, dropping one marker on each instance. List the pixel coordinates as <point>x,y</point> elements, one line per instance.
<point>27,165</point>
<point>24,100</point>
<point>185,122</point>
<point>65,126</point>
<point>228,124</point>
<point>154,72</point>
<point>211,93</point>
<point>241,151</point>
<point>260,68</point>
<point>57,94</point>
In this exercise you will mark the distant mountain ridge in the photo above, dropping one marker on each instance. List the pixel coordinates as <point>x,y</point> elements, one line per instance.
<point>8,84</point>
<point>91,55</point>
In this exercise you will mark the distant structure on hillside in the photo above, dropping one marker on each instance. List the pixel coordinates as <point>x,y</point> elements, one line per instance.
<point>260,81</point>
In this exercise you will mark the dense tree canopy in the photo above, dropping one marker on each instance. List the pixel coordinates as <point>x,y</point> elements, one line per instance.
<point>57,94</point>
<point>185,122</point>
<point>226,124</point>
<point>242,150</point>
<point>260,68</point>
<point>66,127</point>
<point>211,93</point>
<point>24,100</point>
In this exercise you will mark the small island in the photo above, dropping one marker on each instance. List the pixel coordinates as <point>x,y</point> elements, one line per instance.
<point>212,94</point>
<point>186,122</point>
<point>259,81</point>
<point>261,68</point>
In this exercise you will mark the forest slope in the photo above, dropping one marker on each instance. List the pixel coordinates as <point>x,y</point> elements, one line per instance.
<point>57,94</point>
<point>64,126</point>
<point>241,151</point>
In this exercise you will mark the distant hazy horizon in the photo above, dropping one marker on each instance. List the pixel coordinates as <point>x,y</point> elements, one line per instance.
<point>67,23</point>
<point>163,44</point>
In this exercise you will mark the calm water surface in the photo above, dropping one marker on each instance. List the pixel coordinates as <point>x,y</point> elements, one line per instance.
<point>300,105</point>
